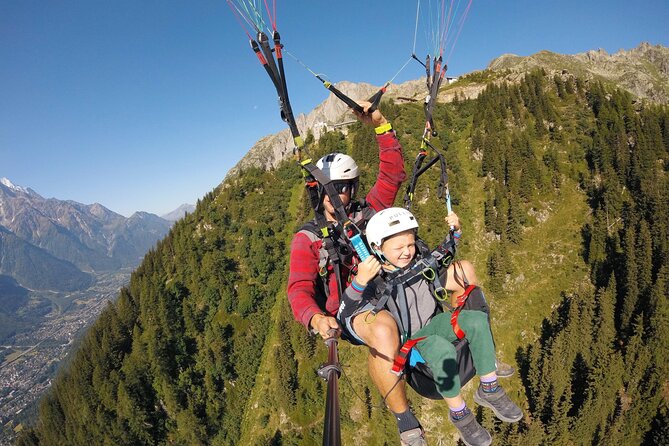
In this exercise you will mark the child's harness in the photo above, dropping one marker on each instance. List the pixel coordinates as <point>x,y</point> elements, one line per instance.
<point>391,295</point>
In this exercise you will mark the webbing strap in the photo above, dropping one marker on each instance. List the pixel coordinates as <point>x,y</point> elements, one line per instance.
<point>263,40</point>
<point>276,73</point>
<point>454,323</point>
<point>419,169</point>
<point>286,108</point>
<point>404,310</point>
<point>322,179</point>
<point>456,313</point>
<point>375,99</point>
<point>401,359</point>
<point>327,234</point>
<point>411,188</point>
<point>433,85</point>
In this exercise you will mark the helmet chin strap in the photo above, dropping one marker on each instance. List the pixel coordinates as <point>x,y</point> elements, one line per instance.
<point>384,261</point>
<point>330,216</point>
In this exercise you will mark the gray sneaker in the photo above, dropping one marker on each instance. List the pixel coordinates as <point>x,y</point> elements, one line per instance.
<point>471,432</point>
<point>413,437</point>
<point>500,403</point>
<point>504,370</point>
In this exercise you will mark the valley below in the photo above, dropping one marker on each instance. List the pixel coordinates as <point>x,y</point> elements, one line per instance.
<point>29,359</point>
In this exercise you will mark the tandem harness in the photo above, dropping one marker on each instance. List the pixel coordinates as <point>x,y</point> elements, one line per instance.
<point>336,250</point>
<point>391,295</point>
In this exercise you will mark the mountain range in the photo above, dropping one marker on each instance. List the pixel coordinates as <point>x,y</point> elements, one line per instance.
<point>61,262</point>
<point>55,244</point>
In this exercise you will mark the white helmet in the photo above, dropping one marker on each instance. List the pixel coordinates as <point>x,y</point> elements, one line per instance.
<point>389,222</point>
<point>338,166</point>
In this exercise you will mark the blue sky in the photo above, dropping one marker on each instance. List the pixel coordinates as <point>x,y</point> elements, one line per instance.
<point>144,105</point>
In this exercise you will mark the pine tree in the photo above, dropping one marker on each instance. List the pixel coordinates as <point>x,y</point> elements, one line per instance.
<point>630,299</point>
<point>659,432</point>
<point>489,213</point>
<point>496,268</point>
<point>569,86</point>
<point>559,86</point>
<point>658,320</point>
<point>644,255</point>
<point>501,205</point>
<point>515,220</point>
<point>604,327</point>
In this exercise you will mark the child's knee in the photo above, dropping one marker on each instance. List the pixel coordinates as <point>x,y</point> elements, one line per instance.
<point>472,320</point>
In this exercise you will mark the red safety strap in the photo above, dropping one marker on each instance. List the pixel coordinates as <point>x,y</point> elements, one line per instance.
<point>401,358</point>
<point>460,301</point>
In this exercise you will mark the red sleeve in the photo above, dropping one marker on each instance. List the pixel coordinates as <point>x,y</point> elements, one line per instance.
<point>302,278</point>
<point>391,172</point>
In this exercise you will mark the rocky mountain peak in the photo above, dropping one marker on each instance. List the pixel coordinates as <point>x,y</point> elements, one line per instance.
<point>597,55</point>
<point>13,187</point>
<point>331,114</point>
<point>102,212</point>
<point>643,71</point>
<point>179,212</point>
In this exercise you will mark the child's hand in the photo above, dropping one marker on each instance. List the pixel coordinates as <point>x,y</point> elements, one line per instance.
<point>453,221</point>
<point>367,270</point>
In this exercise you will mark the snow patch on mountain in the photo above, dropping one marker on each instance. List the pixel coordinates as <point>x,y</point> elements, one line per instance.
<point>7,183</point>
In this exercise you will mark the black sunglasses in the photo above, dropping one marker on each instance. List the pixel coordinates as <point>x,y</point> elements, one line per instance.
<point>342,188</point>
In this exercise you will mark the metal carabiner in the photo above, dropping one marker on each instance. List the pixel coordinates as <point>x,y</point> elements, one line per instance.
<point>440,294</point>
<point>429,274</point>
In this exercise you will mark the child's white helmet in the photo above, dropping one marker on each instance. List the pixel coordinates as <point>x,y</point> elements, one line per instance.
<point>387,223</point>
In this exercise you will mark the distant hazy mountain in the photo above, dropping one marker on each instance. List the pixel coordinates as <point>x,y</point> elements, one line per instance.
<point>12,297</point>
<point>136,235</point>
<point>35,268</point>
<point>179,212</point>
<point>88,237</point>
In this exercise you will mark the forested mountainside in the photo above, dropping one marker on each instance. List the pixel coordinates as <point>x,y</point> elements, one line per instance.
<point>643,71</point>
<point>562,188</point>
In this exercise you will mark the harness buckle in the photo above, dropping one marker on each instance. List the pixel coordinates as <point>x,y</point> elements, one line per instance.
<point>440,294</point>
<point>401,359</point>
<point>429,273</point>
<point>373,314</point>
<point>447,260</point>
